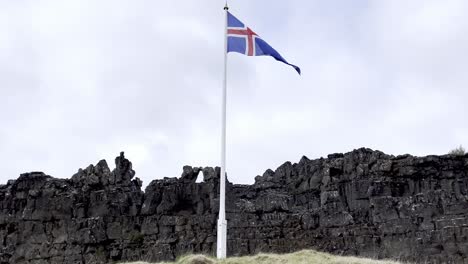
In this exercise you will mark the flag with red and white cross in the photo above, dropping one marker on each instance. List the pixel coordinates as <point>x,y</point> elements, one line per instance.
<point>242,39</point>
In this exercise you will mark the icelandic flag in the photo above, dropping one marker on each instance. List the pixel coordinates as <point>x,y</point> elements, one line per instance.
<point>243,40</point>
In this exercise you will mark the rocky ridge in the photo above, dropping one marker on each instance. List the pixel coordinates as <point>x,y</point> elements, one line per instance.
<point>362,203</point>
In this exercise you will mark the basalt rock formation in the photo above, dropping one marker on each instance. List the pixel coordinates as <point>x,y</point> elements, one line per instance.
<point>362,203</point>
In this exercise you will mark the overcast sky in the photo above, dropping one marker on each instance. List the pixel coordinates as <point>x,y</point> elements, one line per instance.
<point>83,80</point>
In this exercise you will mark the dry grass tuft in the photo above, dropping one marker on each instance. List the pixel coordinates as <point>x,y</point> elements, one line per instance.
<point>301,257</point>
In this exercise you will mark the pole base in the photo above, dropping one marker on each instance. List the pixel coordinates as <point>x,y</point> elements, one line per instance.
<point>221,241</point>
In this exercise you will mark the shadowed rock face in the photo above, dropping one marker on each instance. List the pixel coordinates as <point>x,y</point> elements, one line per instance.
<point>361,203</point>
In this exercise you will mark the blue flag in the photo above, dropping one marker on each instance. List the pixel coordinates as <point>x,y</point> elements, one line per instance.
<point>243,40</point>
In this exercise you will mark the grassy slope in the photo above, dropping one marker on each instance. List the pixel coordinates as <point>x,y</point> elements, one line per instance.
<point>302,257</point>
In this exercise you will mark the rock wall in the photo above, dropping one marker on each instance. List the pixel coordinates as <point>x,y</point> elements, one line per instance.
<point>360,203</point>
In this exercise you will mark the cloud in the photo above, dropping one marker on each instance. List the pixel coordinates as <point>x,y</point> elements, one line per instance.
<point>84,80</point>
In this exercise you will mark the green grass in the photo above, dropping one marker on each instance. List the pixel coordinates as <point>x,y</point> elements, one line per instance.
<point>301,257</point>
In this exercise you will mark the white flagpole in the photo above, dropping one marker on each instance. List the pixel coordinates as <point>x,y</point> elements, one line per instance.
<point>222,223</point>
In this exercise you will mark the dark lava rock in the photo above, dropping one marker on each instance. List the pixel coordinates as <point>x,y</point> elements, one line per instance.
<point>362,203</point>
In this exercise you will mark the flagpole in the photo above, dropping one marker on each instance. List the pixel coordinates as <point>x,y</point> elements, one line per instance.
<point>222,223</point>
